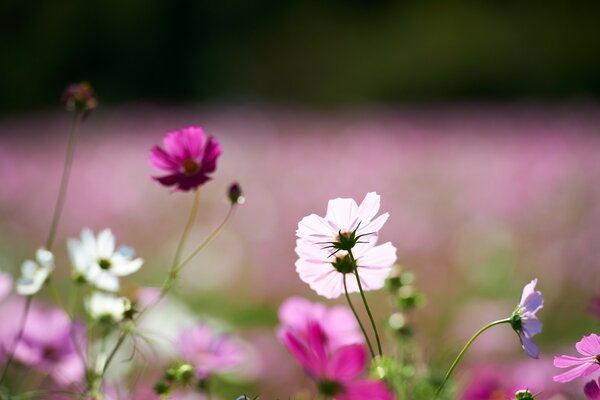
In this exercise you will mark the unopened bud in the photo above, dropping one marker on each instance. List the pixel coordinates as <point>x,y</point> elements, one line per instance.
<point>80,97</point>
<point>234,194</point>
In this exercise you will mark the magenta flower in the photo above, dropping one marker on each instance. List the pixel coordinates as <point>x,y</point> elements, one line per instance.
<point>210,352</point>
<point>592,390</point>
<point>345,223</point>
<point>337,374</point>
<point>338,323</point>
<point>589,348</point>
<point>325,271</point>
<point>525,322</point>
<point>188,157</point>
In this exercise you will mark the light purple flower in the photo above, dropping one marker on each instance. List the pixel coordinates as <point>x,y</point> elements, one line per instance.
<point>525,322</point>
<point>338,323</point>
<point>592,390</point>
<point>343,218</point>
<point>325,272</point>
<point>47,345</point>
<point>589,348</point>
<point>338,374</point>
<point>188,157</point>
<point>210,352</point>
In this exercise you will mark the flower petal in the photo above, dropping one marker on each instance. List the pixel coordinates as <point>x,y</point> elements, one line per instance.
<point>105,243</point>
<point>529,346</point>
<point>589,345</point>
<point>314,227</point>
<point>591,390</point>
<point>162,160</point>
<point>366,389</point>
<point>368,208</point>
<point>527,290</point>
<point>342,212</point>
<point>579,371</point>
<point>347,362</point>
<point>570,361</point>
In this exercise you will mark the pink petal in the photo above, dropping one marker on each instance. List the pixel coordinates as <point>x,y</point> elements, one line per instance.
<point>161,160</point>
<point>375,225</point>
<point>192,139</point>
<point>169,180</point>
<point>313,226</point>
<point>368,208</point>
<point>211,152</point>
<point>342,212</point>
<point>382,256</point>
<point>578,372</point>
<point>174,145</point>
<point>591,390</point>
<point>589,345</point>
<point>348,362</point>
<point>300,351</point>
<point>570,361</point>
<point>366,389</point>
<point>322,278</point>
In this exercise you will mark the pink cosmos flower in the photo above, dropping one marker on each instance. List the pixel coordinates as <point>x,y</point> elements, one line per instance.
<point>525,322</point>
<point>589,348</point>
<point>338,374</point>
<point>210,352</point>
<point>592,390</point>
<point>189,158</point>
<point>325,271</point>
<point>338,323</point>
<point>345,223</point>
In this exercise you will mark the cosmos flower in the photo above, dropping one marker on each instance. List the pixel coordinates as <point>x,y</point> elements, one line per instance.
<point>589,348</point>
<point>188,157</point>
<point>325,271</point>
<point>525,322</point>
<point>345,223</point>
<point>592,390</point>
<point>96,260</point>
<point>338,323</point>
<point>337,374</point>
<point>210,352</point>
<point>107,307</point>
<point>35,273</point>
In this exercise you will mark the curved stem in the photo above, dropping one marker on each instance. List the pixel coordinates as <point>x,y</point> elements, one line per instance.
<point>186,230</point>
<point>64,181</point>
<point>362,328</point>
<point>364,299</point>
<point>464,350</point>
<point>17,338</point>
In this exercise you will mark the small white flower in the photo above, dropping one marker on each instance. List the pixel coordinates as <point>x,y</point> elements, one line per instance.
<point>102,306</point>
<point>35,273</point>
<point>96,260</point>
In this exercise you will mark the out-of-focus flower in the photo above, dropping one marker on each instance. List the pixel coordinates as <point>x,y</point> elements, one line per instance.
<point>344,225</point>
<point>325,272</point>
<point>47,345</point>
<point>589,348</point>
<point>79,97</point>
<point>35,273</point>
<point>5,285</point>
<point>234,194</point>
<point>337,374</point>
<point>592,390</point>
<point>189,157</point>
<point>107,307</point>
<point>96,260</point>
<point>525,322</point>
<point>338,323</point>
<point>210,352</point>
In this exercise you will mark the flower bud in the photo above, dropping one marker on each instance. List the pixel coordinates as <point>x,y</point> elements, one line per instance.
<point>234,194</point>
<point>79,97</point>
<point>524,395</point>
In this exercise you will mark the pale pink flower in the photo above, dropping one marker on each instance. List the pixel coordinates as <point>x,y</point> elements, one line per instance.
<point>525,322</point>
<point>189,157</point>
<point>337,374</point>
<point>325,271</point>
<point>589,348</point>
<point>344,218</point>
<point>338,323</point>
<point>210,352</point>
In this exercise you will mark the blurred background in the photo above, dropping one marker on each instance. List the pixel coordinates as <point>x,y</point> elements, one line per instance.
<point>477,122</point>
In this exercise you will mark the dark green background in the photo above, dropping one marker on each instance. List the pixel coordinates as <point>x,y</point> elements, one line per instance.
<point>315,52</point>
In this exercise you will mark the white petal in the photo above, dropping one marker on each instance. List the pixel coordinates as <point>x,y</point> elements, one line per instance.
<point>322,278</point>
<point>368,208</point>
<point>313,227</point>
<point>378,257</point>
<point>373,227</point>
<point>342,212</point>
<point>88,243</point>
<point>121,266</point>
<point>28,268</point>
<point>45,258</point>
<point>106,244</point>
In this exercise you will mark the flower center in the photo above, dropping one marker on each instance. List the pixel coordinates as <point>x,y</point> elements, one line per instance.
<point>344,263</point>
<point>598,359</point>
<point>329,388</point>
<point>104,263</point>
<point>190,167</point>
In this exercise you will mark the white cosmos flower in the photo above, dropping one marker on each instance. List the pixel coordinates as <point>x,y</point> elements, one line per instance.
<point>107,306</point>
<point>35,273</point>
<point>96,260</point>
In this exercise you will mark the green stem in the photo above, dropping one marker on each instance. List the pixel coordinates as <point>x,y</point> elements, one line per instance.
<point>364,299</point>
<point>17,338</point>
<point>464,350</point>
<point>64,182</point>
<point>362,328</point>
<point>186,230</point>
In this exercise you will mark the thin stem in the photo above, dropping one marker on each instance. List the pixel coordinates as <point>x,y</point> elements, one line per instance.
<point>186,230</point>
<point>364,299</point>
<point>362,328</point>
<point>114,351</point>
<point>464,350</point>
<point>64,182</point>
<point>17,338</point>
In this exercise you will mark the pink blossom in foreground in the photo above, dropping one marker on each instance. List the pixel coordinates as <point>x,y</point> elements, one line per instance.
<point>592,390</point>
<point>344,217</point>
<point>338,374</point>
<point>525,322</point>
<point>338,323</point>
<point>589,348</point>
<point>210,352</point>
<point>188,158</point>
<point>325,272</point>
